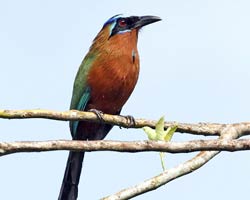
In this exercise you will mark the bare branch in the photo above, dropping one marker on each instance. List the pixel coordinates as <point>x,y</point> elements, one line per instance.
<point>197,129</point>
<point>229,132</point>
<point>121,146</point>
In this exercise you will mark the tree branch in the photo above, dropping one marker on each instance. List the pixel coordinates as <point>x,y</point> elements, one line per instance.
<point>122,146</point>
<point>228,133</point>
<point>72,115</point>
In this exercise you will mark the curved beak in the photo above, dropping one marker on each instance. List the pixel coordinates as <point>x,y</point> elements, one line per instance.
<point>145,20</point>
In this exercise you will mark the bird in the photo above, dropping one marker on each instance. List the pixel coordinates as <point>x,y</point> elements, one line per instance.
<point>104,82</point>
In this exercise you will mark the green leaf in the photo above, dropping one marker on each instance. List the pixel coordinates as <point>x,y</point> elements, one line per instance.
<point>169,133</point>
<point>150,132</point>
<point>159,134</point>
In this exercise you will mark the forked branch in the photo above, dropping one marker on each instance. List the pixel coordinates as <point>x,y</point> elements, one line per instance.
<point>229,133</point>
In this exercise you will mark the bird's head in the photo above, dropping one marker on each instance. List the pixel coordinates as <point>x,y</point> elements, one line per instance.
<point>120,25</point>
<point>120,32</point>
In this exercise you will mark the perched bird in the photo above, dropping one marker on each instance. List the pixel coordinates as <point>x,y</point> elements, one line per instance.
<point>105,80</point>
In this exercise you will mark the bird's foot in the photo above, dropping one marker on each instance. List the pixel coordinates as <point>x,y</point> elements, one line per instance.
<point>98,113</point>
<point>130,121</point>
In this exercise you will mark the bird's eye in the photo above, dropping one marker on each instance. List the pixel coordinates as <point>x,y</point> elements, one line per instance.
<point>122,23</point>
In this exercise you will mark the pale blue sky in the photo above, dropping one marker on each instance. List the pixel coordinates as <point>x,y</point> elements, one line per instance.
<point>194,68</point>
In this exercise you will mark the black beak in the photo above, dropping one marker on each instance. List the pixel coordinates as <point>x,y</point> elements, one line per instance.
<point>145,20</point>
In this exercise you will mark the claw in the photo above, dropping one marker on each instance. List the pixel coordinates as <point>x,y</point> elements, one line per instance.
<point>98,113</point>
<point>131,120</point>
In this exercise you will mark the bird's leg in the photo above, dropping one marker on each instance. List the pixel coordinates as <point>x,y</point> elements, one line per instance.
<point>98,113</point>
<point>130,120</point>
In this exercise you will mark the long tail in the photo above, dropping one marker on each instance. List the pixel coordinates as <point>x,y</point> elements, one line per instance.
<point>69,188</point>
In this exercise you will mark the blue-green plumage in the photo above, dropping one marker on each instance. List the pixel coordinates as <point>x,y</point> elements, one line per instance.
<point>81,90</point>
<point>81,106</point>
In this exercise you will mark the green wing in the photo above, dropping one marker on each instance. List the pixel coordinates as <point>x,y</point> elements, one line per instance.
<point>81,91</point>
<point>81,106</point>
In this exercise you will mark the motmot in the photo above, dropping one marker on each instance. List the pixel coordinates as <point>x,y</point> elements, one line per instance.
<point>104,81</point>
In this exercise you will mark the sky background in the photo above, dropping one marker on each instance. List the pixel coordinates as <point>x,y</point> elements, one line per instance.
<point>194,68</point>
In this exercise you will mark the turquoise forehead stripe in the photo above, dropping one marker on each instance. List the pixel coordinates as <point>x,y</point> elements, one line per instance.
<point>111,27</point>
<point>112,19</point>
<point>112,22</point>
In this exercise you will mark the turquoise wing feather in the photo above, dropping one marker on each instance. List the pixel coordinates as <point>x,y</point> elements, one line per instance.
<point>81,91</point>
<point>81,106</point>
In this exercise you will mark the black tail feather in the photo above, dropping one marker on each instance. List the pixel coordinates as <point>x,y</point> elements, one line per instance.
<point>69,188</point>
